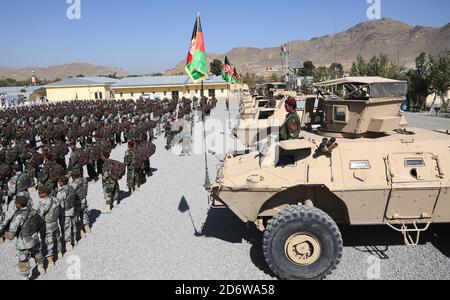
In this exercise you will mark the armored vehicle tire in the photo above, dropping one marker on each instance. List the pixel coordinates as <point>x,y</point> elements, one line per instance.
<point>302,243</point>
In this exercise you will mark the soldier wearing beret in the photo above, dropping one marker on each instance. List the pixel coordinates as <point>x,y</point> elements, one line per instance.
<point>291,127</point>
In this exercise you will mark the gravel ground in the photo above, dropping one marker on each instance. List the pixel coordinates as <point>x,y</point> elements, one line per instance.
<point>148,237</point>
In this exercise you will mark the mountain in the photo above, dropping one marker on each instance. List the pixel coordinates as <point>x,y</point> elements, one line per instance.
<point>402,42</point>
<point>61,71</point>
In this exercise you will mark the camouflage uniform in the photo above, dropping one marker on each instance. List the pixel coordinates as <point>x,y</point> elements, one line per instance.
<point>74,160</point>
<point>186,138</point>
<point>18,185</point>
<point>80,186</point>
<point>49,211</point>
<point>110,186</point>
<point>132,174</point>
<point>290,130</point>
<point>65,196</point>
<point>27,240</point>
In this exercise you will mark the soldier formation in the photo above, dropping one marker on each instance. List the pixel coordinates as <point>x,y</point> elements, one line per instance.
<point>35,142</point>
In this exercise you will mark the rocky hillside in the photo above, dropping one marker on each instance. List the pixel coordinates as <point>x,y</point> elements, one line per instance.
<point>61,72</point>
<point>402,42</point>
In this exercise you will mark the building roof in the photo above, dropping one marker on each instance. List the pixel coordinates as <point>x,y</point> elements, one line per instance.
<point>77,81</point>
<point>16,90</point>
<point>363,80</point>
<point>162,81</point>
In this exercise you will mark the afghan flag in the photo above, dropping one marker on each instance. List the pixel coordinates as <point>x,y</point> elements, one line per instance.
<point>236,77</point>
<point>196,65</point>
<point>227,71</point>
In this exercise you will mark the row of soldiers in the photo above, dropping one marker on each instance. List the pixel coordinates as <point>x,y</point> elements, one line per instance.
<point>34,145</point>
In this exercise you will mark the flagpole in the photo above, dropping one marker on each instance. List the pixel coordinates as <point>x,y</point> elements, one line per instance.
<point>207,179</point>
<point>229,113</point>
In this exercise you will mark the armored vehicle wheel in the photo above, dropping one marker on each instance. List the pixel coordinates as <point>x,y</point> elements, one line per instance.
<point>302,243</point>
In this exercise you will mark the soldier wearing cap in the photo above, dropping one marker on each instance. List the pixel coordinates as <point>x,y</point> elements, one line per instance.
<point>110,186</point>
<point>25,228</point>
<point>132,175</point>
<point>66,197</point>
<point>291,128</point>
<point>49,211</point>
<point>80,186</point>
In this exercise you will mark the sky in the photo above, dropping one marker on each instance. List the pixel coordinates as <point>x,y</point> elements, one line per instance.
<point>145,36</point>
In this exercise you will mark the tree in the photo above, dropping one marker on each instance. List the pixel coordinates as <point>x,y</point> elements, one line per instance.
<point>336,71</point>
<point>308,69</point>
<point>216,67</point>
<point>440,76</point>
<point>359,67</point>
<point>80,75</point>
<point>249,79</point>
<point>274,78</point>
<point>320,74</point>
<point>158,74</point>
<point>419,85</point>
<point>377,66</point>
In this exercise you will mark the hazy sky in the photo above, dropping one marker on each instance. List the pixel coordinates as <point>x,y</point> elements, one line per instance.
<point>143,36</point>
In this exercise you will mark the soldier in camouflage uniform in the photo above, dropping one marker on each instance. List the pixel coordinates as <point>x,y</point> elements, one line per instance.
<point>23,227</point>
<point>19,184</point>
<point>132,175</point>
<point>80,186</point>
<point>3,198</point>
<point>66,198</point>
<point>291,128</point>
<point>75,157</point>
<point>110,186</point>
<point>49,211</point>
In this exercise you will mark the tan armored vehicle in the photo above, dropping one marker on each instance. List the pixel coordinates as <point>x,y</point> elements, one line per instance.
<point>360,166</point>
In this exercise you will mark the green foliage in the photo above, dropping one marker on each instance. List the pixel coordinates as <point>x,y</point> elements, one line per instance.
<point>274,78</point>
<point>419,85</point>
<point>80,75</point>
<point>307,70</point>
<point>440,75</point>
<point>216,67</point>
<point>10,82</point>
<point>249,78</point>
<point>157,74</point>
<point>377,66</point>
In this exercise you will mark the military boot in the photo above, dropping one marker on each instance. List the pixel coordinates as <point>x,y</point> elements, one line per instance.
<point>69,247</point>
<point>51,263</point>
<point>106,210</point>
<point>87,229</point>
<point>42,270</point>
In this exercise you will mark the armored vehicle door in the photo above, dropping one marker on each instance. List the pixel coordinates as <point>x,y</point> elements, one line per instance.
<point>416,183</point>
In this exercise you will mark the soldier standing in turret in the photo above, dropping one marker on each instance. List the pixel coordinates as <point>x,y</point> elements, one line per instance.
<point>291,128</point>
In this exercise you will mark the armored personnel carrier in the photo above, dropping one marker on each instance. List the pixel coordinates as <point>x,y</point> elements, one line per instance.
<point>355,163</point>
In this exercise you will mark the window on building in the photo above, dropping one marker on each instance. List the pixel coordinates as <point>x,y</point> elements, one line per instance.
<point>132,94</point>
<point>96,96</point>
<point>121,95</point>
<point>142,93</point>
<point>196,91</point>
<point>165,93</point>
<point>100,95</point>
<point>212,93</point>
<point>222,91</point>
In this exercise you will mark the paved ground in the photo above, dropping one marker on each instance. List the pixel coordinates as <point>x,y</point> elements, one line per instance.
<point>148,237</point>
